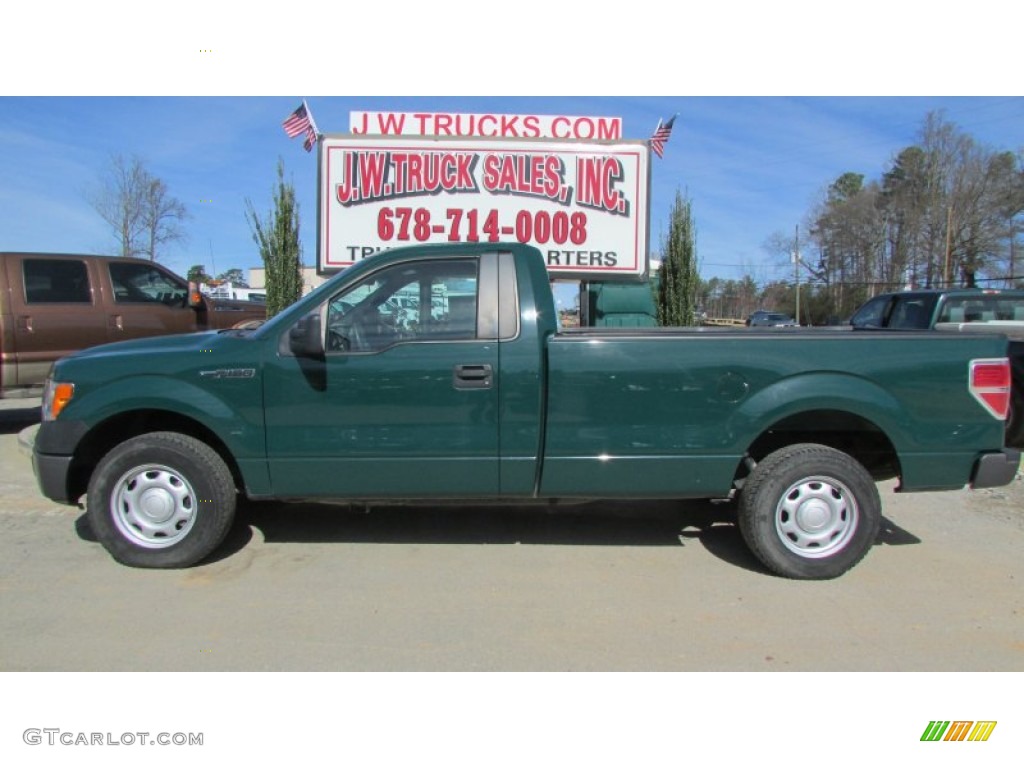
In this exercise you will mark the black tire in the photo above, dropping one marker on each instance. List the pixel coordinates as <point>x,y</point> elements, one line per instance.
<point>809,512</point>
<point>161,500</point>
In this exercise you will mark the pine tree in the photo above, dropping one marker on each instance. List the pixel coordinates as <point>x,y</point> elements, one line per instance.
<point>678,278</point>
<point>278,239</point>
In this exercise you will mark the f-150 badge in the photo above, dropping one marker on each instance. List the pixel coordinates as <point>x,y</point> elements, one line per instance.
<point>229,373</point>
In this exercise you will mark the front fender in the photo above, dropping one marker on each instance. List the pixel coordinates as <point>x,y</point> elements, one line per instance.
<point>232,411</point>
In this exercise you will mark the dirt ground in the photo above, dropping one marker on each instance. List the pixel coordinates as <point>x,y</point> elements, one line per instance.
<point>622,587</point>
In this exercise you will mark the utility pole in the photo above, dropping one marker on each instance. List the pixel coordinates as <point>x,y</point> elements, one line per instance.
<point>796,270</point>
<point>947,278</point>
<point>1013,242</point>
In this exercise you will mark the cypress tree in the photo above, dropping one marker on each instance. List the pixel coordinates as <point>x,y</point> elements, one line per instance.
<point>278,239</point>
<point>678,278</point>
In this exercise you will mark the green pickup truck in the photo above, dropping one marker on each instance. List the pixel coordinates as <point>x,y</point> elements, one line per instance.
<point>437,373</point>
<point>962,310</point>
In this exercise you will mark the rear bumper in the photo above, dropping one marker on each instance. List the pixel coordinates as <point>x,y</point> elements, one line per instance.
<point>994,469</point>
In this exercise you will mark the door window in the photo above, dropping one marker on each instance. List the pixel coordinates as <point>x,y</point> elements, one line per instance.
<point>143,284</point>
<point>423,301</point>
<point>56,281</point>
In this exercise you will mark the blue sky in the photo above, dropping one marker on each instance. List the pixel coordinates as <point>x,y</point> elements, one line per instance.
<point>752,166</point>
<point>774,101</point>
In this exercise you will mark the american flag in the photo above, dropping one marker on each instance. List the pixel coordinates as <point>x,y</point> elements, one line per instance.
<point>661,135</point>
<point>301,121</point>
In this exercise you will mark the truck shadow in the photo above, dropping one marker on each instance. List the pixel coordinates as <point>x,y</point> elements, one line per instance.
<point>621,524</point>
<point>607,524</point>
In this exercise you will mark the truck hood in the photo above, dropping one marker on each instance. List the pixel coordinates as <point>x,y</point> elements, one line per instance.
<point>152,345</point>
<point>157,355</point>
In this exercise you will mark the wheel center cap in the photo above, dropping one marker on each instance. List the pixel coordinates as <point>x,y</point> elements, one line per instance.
<point>814,515</point>
<point>157,505</point>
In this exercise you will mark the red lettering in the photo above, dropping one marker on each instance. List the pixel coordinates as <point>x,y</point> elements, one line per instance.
<point>583,128</point>
<point>415,167</point>
<point>508,125</point>
<point>344,191</point>
<point>552,176</point>
<point>464,130</point>
<point>399,160</point>
<point>492,120</point>
<point>371,174</point>
<point>507,173</point>
<point>536,175</point>
<point>609,129</point>
<point>556,123</point>
<point>465,173</point>
<point>531,126</point>
<point>443,125</point>
<point>490,179</point>
<point>391,123</point>
<point>596,184</point>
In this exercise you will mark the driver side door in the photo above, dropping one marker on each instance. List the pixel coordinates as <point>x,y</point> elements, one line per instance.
<point>404,403</point>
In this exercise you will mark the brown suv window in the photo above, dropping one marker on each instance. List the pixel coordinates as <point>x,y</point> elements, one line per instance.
<point>140,283</point>
<point>56,281</point>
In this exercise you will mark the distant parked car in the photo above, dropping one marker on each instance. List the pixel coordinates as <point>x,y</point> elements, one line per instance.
<point>763,319</point>
<point>53,304</point>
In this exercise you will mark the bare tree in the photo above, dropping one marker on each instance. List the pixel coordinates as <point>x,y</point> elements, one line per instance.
<point>162,215</point>
<point>138,207</point>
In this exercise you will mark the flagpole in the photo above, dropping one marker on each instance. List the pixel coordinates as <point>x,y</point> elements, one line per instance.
<point>309,113</point>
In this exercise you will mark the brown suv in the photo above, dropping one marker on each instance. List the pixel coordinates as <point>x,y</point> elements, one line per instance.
<point>52,304</point>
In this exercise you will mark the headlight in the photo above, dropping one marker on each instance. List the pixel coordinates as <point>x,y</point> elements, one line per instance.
<point>56,395</point>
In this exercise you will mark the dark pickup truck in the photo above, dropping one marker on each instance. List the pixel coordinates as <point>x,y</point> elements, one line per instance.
<point>438,373</point>
<point>963,310</point>
<point>52,304</point>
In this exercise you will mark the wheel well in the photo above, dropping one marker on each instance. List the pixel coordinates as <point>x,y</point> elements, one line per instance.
<point>115,430</point>
<point>846,432</point>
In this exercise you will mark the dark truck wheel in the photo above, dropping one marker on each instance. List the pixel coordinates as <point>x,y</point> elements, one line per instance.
<point>809,512</point>
<point>161,500</point>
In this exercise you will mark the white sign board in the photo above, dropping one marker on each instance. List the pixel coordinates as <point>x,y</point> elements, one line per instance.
<point>583,204</point>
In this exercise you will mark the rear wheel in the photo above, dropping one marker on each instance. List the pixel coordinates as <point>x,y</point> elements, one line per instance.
<point>809,512</point>
<point>161,500</point>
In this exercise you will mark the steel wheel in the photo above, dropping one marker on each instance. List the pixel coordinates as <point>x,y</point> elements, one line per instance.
<point>153,506</point>
<point>816,517</point>
<point>808,511</point>
<point>161,500</point>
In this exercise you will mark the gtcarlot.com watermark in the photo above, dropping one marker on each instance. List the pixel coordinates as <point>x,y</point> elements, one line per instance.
<point>53,737</point>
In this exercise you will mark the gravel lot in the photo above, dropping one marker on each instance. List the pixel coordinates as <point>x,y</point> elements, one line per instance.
<point>619,587</point>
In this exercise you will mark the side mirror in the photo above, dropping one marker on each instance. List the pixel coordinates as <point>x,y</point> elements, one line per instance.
<point>305,338</point>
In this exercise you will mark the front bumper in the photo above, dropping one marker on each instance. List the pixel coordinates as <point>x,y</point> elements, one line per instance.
<point>54,444</point>
<point>52,475</point>
<point>995,469</point>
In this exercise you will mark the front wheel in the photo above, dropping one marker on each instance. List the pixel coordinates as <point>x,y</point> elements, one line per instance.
<point>809,512</point>
<point>161,500</point>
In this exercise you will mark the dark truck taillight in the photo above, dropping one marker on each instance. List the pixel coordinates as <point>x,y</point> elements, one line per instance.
<point>990,384</point>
